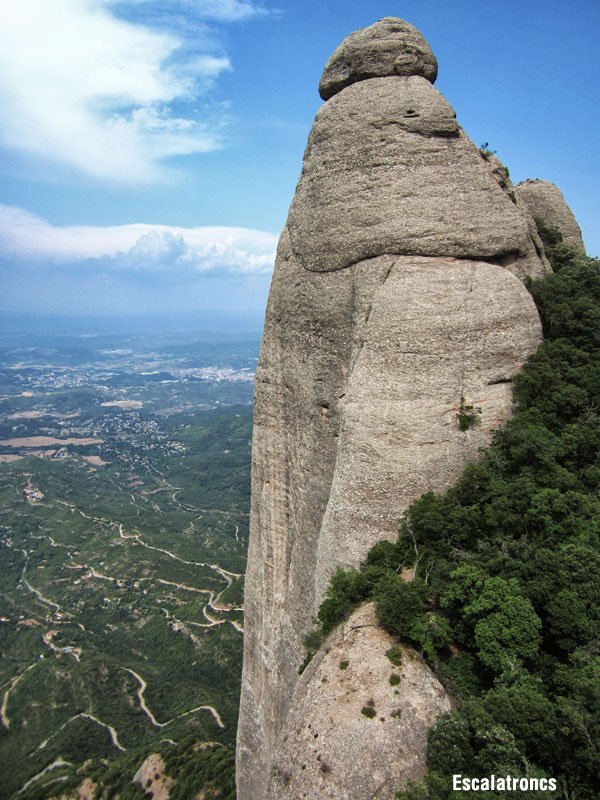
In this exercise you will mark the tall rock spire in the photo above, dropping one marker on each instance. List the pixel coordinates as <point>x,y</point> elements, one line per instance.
<point>395,298</point>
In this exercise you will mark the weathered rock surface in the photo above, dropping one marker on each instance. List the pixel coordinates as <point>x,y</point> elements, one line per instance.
<point>152,777</point>
<point>85,791</point>
<point>547,205</point>
<point>389,47</point>
<point>309,339</point>
<point>439,330</point>
<point>331,749</point>
<point>392,298</point>
<point>387,169</point>
<point>360,379</point>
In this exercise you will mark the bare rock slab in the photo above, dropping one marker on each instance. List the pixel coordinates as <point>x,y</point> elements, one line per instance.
<point>331,749</point>
<point>439,332</point>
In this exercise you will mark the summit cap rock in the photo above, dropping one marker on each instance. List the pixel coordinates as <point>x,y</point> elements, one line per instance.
<point>389,47</point>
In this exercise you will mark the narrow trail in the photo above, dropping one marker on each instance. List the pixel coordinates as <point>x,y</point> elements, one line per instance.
<point>4,718</point>
<point>222,578</point>
<point>175,491</point>
<point>95,574</point>
<point>210,709</point>
<point>52,542</point>
<point>83,715</point>
<point>56,764</point>
<point>140,693</point>
<point>226,575</point>
<point>183,626</point>
<point>187,588</point>
<point>212,621</point>
<point>221,511</point>
<point>229,577</point>
<point>47,639</point>
<point>213,597</point>
<point>44,600</point>
<point>180,625</point>
<point>74,652</point>
<point>36,592</point>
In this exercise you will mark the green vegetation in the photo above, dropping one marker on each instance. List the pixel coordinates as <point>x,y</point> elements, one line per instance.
<point>312,642</point>
<point>395,655</point>
<point>212,768</point>
<point>117,571</point>
<point>369,712</point>
<point>467,415</point>
<point>208,766</point>
<point>485,151</point>
<point>505,602</point>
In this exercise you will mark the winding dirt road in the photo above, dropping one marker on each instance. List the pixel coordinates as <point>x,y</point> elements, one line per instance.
<point>140,693</point>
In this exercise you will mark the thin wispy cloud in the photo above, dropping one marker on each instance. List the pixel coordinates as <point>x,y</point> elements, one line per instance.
<point>26,240</point>
<point>85,84</point>
<point>218,10</point>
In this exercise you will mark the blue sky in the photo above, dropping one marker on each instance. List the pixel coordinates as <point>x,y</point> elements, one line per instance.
<point>149,149</point>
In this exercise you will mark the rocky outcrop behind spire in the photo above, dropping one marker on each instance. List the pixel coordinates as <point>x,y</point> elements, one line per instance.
<point>547,205</point>
<point>395,300</point>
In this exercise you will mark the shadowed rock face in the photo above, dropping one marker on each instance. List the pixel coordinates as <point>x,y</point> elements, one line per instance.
<point>395,294</point>
<point>547,205</point>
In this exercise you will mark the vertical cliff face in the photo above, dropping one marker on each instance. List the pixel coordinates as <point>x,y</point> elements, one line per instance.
<point>396,297</point>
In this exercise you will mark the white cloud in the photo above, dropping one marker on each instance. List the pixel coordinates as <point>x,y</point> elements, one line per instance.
<point>91,90</point>
<point>227,10</point>
<point>28,239</point>
<point>220,10</point>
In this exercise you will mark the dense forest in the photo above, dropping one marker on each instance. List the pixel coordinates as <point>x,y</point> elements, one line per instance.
<point>505,602</point>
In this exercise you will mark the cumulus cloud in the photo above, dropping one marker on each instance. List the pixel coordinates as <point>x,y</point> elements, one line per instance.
<point>26,239</point>
<point>99,91</point>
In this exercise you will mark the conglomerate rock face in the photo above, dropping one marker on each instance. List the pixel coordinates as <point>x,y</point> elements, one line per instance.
<point>387,169</point>
<point>439,331</point>
<point>335,749</point>
<point>547,205</point>
<point>389,47</point>
<point>395,299</point>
